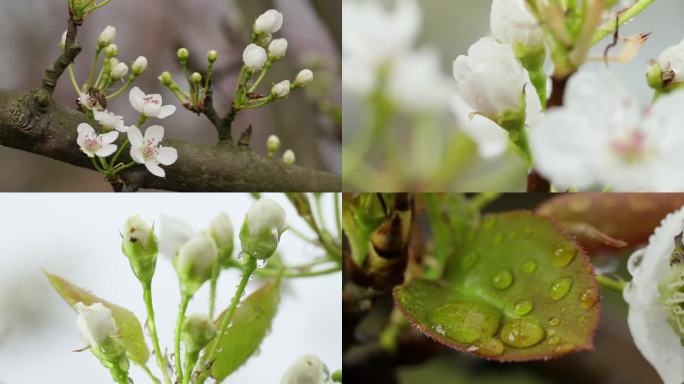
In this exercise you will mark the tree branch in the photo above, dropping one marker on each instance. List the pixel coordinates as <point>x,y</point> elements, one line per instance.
<point>32,121</point>
<point>71,50</point>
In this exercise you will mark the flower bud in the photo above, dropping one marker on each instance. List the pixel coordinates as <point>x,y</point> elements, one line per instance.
<point>512,23</point>
<point>183,54</point>
<point>119,71</point>
<point>261,230</point>
<point>141,248</point>
<point>304,78</point>
<point>194,262</point>
<point>277,48</point>
<point>307,369</point>
<point>273,143</point>
<point>281,89</point>
<point>196,77</point>
<point>221,231</point>
<point>166,78</point>
<point>198,330</point>
<point>254,57</point>
<point>111,50</point>
<point>98,328</point>
<point>106,37</point>
<point>212,56</point>
<point>113,62</point>
<point>96,324</point>
<point>289,157</point>
<point>139,65</point>
<point>62,41</point>
<point>269,22</point>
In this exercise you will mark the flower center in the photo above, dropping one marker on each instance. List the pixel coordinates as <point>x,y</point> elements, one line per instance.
<point>632,148</point>
<point>92,144</point>
<point>151,150</point>
<point>672,289</point>
<point>150,100</point>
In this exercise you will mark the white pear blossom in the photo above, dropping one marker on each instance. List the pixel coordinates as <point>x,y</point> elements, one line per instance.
<point>119,71</point>
<point>149,105</point>
<point>148,150</point>
<point>655,300</point>
<point>308,369</point>
<point>269,22</point>
<point>304,78</point>
<point>672,63</point>
<point>110,121</point>
<point>277,48</point>
<point>139,65</point>
<point>89,103</point>
<point>254,57</point>
<point>281,89</point>
<point>289,157</point>
<point>221,230</point>
<point>512,23</point>
<point>600,137</point>
<point>197,256</point>
<point>93,144</point>
<point>111,50</point>
<point>107,36</point>
<point>266,215</point>
<point>95,323</point>
<point>490,78</point>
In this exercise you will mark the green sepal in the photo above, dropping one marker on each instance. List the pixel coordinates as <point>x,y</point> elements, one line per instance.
<point>141,252</point>
<point>513,121</point>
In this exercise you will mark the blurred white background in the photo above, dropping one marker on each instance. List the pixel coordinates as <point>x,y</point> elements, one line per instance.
<point>76,236</point>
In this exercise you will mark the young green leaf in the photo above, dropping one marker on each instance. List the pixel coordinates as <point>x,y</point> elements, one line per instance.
<point>520,289</point>
<point>128,325</point>
<point>249,326</point>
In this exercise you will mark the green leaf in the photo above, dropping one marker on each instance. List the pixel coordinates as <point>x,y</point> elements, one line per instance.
<point>129,327</point>
<point>251,322</point>
<point>520,289</point>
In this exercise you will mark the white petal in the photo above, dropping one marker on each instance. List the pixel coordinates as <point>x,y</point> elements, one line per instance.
<point>135,137</point>
<point>109,137</point>
<point>491,139</point>
<point>167,155</point>
<point>173,233</point>
<point>166,111</point>
<point>106,150</point>
<point>85,129</point>
<point>150,109</point>
<point>137,154</point>
<point>136,99</point>
<point>154,168</point>
<point>155,134</point>
<point>565,146</point>
<point>647,318</point>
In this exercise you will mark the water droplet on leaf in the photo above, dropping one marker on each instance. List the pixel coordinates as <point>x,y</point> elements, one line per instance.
<point>522,307</point>
<point>467,321</point>
<point>589,297</point>
<point>564,254</point>
<point>554,340</point>
<point>560,287</point>
<point>503,279</point>
<point>522,333</point>
<point>530,266</point>
<point>554,322</point>
<point>491,348</point>
<point>498,238</point>
<point>469,260</point>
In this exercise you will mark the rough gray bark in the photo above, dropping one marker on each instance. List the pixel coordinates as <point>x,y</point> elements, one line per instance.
<point>32,121</point>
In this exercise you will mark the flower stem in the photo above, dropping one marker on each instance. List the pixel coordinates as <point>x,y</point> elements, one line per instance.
<point>152,326</point>
<point>123,88</point>
<point>615,284</point>
<point>247,270</point>
<point>149,373</point>
<point>185,299</point>
<point>212,289</point>
<point>93,66</point>
<point>627,15</point>
<point>118,153</point>
<point>72,76</point>
<point>267,66</point>
<point>190,362</point>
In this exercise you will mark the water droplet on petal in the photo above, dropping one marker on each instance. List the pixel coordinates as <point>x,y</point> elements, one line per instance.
<point>589,297</point>
<point>469,260</point>
<point>560,287</point>
<point>554,322</point>
<point>530,266</point>
<point>491,348</point>
<point>466,321</point>
<point>503,279</point>
<point>522,333</point>
<point>564,254</point>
